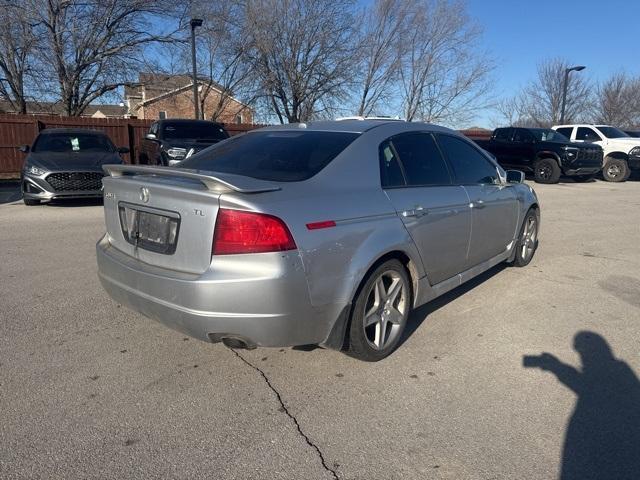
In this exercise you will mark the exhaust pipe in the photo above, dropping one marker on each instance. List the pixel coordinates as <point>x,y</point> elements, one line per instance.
<point>232,341</point>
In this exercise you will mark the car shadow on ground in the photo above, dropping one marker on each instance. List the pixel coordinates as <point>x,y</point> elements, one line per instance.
<point>9,192</point>
<point>421,314</point>
<point>602,439</point>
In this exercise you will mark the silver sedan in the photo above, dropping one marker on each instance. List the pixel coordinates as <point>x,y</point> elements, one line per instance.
<point>326,233</point>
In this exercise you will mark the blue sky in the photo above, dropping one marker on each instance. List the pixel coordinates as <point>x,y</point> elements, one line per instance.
<point>603,35</point>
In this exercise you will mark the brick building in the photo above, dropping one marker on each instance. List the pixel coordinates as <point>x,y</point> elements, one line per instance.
<point>158,96</point>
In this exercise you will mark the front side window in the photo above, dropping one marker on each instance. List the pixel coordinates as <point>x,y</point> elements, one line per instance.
<point>612,132</point>
<point>587,134</point>
<point>421,160</point>
<point>280,156</point>
<point>73,142</point>
<point>469,165</point>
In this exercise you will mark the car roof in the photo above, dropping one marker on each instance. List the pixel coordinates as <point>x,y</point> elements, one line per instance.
<point>70,131</point>
<point>350,125</point>
<point>186,121</point>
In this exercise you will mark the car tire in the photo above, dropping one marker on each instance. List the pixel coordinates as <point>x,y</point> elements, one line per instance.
<point>527,243</point>
<point>380,312</point>
<point>546,170</point>
<point>30,203</point>
<point>616,170</point>
<point>582,178</point>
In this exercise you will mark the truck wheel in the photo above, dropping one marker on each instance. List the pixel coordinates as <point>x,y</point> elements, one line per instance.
<point>546,170</point>
<point>616,170</point>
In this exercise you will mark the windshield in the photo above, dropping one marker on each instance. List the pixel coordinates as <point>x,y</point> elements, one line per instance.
<point>281,156</point>
<point>197,130</point>
<point>73,142</point>
<point>612,132</point>
<point>548,135</point>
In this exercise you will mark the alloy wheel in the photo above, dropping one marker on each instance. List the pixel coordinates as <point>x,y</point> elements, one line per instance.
<point>529,238</point>
<point>385,308</point>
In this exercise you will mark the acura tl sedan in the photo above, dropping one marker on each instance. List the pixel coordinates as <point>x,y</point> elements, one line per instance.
<point>66,163</point>
<point>325,233</point>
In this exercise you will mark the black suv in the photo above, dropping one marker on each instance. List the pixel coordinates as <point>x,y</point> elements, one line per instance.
<point>171,141</point>
<point>545,152</point>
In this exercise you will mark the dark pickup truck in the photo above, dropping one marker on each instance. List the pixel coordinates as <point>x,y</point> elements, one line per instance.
<point>545,152</point>
<point>173,140</point>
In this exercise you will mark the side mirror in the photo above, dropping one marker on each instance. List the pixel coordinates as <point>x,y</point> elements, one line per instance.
<point>515,176</point>
<point>24,148</point>
<point>123,150</point>
<point>151,136</point>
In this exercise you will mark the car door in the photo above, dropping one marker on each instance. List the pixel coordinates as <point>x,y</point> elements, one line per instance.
<point>523,149</point>
<point>586,134</point>
<point>435,212</point>
<point>494,206</point>
<point>502,146</point>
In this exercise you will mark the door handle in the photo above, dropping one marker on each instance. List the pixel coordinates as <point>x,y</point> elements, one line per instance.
<point>418,212</point>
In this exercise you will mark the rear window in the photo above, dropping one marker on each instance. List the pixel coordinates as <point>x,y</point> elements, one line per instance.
<point>196,130</point>
<point>281,156</point>
<point>73,142</point>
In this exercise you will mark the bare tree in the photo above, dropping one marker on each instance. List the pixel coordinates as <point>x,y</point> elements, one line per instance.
<point>301,54</point>
<point>222,48</point>
<point>540,102</point>
<point>444,76</point>
<point>17,43</point>
<point>89,47</point>
<point>618,101</point>
<point>381,50</point>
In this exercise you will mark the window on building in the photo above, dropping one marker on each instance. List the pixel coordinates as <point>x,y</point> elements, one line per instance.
<point>239,118</point>
<point>162,115</point>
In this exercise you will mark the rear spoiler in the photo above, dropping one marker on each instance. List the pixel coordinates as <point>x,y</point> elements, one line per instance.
<point>220,183</point>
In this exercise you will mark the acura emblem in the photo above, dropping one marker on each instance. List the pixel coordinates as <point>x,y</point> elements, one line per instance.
<point>144,194</point>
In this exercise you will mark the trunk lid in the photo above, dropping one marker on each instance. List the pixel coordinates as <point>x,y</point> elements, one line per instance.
<point>166,216</point>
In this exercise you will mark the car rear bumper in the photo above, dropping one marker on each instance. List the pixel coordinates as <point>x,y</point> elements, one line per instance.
<point>263,300</point>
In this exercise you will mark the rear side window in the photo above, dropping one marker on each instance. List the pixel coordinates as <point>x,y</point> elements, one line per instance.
<point>566,131</point>
<point>522,135</point>
<point>390,171</point>
<point>587,134</point>
<point>421,160</point>
<point>279,156</point>
<point>469,165</point>
<point>502,134</point>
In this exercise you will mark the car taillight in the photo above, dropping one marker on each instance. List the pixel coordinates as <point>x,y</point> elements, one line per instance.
<point>238,231</point>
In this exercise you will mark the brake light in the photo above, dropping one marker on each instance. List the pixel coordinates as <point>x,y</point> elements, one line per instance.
<point>238,231</point>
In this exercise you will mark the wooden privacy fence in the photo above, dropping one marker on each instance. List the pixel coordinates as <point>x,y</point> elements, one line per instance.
<point>16,130</point>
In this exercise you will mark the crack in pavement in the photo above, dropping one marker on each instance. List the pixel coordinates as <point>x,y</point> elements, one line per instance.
<point>289,414</point>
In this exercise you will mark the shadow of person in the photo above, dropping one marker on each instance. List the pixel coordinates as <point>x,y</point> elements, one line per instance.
<point>603,435</point>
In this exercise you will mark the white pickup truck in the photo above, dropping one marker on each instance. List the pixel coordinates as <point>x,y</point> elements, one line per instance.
<point>621,152</point>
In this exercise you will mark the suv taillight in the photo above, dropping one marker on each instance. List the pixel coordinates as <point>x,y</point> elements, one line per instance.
<point>238,231</point>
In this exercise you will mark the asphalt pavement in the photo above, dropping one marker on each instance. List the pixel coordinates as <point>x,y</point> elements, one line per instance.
<point>89,389</point>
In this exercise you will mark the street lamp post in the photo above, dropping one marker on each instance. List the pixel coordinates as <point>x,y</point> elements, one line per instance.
<point>564,88</point>
<point>195,22</point>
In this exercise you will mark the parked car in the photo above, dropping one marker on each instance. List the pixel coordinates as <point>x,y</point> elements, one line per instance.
<point>621,152</point>
<point>326,233</point>
<point>544,152</point>
<point>171,141</point>
<point>66,163</point>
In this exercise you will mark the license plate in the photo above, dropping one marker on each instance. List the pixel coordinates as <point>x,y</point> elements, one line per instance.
<point>150,230</point>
